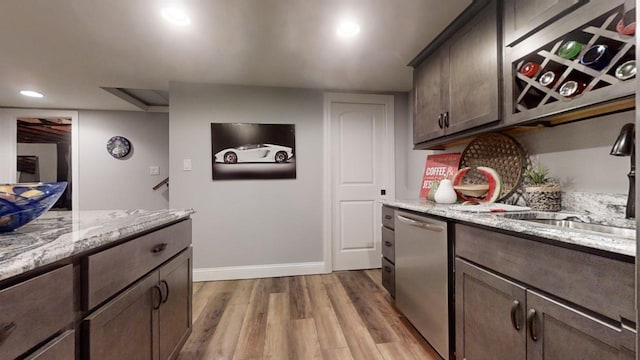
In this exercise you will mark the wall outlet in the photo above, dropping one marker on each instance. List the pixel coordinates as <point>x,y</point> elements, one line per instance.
<point>186,164</point>
<point>154,170</point>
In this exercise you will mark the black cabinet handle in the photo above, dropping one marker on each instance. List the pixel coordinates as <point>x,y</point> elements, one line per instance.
<point>388,217</point>
<point>387,269</point>
<point>515,312</point>
<point>440,122</point>
<point>159,248</point>
<point>446,119</point>
<point>159,293</point>
<point>166,286</point>
<point>6,330</point>
<point>532,320</point>
<point>388,243</point>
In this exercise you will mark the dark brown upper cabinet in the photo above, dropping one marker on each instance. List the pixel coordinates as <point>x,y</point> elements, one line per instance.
<point>523,17</point>
<point>529,99</point>
<point>456,77</point>
<point>429,104</point>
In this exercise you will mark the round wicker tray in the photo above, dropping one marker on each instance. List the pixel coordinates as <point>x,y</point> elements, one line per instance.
<point>499,152</point>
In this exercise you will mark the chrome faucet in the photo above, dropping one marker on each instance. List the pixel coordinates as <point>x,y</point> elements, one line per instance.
<point>625,145</point>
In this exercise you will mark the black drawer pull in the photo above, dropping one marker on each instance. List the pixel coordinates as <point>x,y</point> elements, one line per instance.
<point>532,320</point>
<point>388,243</point>
<point>166,286</point>
<point>446,119</point>
<point>440,123</point>
<point>388,217</point>
<point>159,293</point>
<point>6,330</point>
<point>159,248</point>
<point>515,314</point>
<point>387,269</point>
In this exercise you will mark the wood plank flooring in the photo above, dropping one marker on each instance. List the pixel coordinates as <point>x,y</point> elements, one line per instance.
<point>343,315</point>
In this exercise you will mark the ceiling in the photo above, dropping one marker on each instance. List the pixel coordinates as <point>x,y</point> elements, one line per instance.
<point>44,131</point>
<point>69,49</point>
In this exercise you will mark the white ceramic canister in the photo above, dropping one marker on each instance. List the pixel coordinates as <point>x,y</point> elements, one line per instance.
<point>445,193</point>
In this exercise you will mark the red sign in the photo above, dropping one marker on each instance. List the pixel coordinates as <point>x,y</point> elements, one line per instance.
<point>438,167</point>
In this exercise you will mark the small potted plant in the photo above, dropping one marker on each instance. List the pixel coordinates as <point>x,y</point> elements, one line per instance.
<point>542,193</point>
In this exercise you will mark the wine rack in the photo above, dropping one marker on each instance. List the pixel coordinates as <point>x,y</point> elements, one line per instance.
<point>531,99</point>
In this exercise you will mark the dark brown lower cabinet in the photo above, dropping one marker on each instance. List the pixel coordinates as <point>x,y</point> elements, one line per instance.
<point>489,316</point>
<point>61,347</point>
<point>150,320</point>
<point>558,331</point>
<point>175,311</point>
<point>497,319</point>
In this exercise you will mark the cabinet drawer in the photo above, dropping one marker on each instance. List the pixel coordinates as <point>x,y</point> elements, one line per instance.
<point>389,277</point>
<point>387,217</point>
<point>62,347</point>
<point>112,270</point>
<point>388,244</point>
<point>34,310</point>
<point>595,282</point>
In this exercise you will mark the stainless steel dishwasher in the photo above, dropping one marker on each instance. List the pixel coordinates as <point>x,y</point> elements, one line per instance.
<point>422,277</point>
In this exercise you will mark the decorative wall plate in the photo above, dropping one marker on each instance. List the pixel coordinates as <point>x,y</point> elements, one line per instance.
<point>118,147</point>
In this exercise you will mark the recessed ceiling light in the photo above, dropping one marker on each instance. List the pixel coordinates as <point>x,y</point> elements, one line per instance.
<point>176,16</point>
<point>31,93</point>
<point>348,29</point>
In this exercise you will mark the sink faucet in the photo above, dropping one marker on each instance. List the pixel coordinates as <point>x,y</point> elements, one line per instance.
<point>625,145</point>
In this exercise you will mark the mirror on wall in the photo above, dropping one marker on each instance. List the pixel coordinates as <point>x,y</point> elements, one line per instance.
<point>44,153</point>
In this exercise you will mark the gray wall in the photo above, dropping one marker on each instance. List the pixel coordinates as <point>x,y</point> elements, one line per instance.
<point>577,154</point>
<point>248,222</point>
<point>109,183</point>
<point>251,222</point>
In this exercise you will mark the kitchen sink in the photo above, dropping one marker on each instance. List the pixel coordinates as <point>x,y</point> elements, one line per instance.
<point>570,221</point>
<point>605,229</point>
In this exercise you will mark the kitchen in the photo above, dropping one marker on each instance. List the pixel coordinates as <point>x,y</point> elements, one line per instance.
<point>286,215</point>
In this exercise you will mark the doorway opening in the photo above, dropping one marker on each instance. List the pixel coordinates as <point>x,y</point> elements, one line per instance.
<point>44,153</point>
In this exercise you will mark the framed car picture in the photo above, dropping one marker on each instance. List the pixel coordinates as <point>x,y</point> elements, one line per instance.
<point>242,151</point>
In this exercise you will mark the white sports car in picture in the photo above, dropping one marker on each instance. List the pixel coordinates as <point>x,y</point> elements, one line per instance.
<point>254,153</point>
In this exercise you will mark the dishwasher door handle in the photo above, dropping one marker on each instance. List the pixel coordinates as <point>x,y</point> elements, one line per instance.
<point>420,224</point>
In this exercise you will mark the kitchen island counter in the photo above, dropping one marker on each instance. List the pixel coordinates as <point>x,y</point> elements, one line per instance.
<point>585,240</point>
<point>60,235</point>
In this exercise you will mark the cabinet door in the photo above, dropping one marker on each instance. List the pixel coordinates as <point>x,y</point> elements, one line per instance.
<point>557,331</point>
<point>124,328</point>
<point>522,17</point>
<point>490,322</point>
<point>175,310</point>
<point>473,72</point>
<point>429,97</point>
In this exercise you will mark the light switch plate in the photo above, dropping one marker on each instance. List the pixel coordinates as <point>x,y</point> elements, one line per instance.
<point>154,170</point>
<point>186,164</point>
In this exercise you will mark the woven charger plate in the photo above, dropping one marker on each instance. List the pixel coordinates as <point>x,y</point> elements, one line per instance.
<point>499,152</point>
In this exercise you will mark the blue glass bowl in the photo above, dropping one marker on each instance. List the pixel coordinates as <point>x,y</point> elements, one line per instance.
<point>23,203</point>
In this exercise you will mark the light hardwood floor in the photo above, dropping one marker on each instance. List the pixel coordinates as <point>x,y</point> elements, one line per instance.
<point>343,315</point>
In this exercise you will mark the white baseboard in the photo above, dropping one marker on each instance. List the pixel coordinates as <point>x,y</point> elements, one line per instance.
<point>258,271</point>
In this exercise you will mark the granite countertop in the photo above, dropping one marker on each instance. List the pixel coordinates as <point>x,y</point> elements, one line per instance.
<point>581,238</point>
<point>59,235</point>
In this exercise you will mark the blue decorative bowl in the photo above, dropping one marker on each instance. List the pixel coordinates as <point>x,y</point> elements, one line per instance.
<point>23,203</point>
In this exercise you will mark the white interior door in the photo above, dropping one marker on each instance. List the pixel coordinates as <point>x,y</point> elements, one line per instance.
<point>361,142</point>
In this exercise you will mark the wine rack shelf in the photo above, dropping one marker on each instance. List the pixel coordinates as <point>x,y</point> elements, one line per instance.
<point>529,95</point>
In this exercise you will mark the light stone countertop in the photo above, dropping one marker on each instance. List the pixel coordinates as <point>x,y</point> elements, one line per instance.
<point>59,235</point>
<point>580,238</point>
